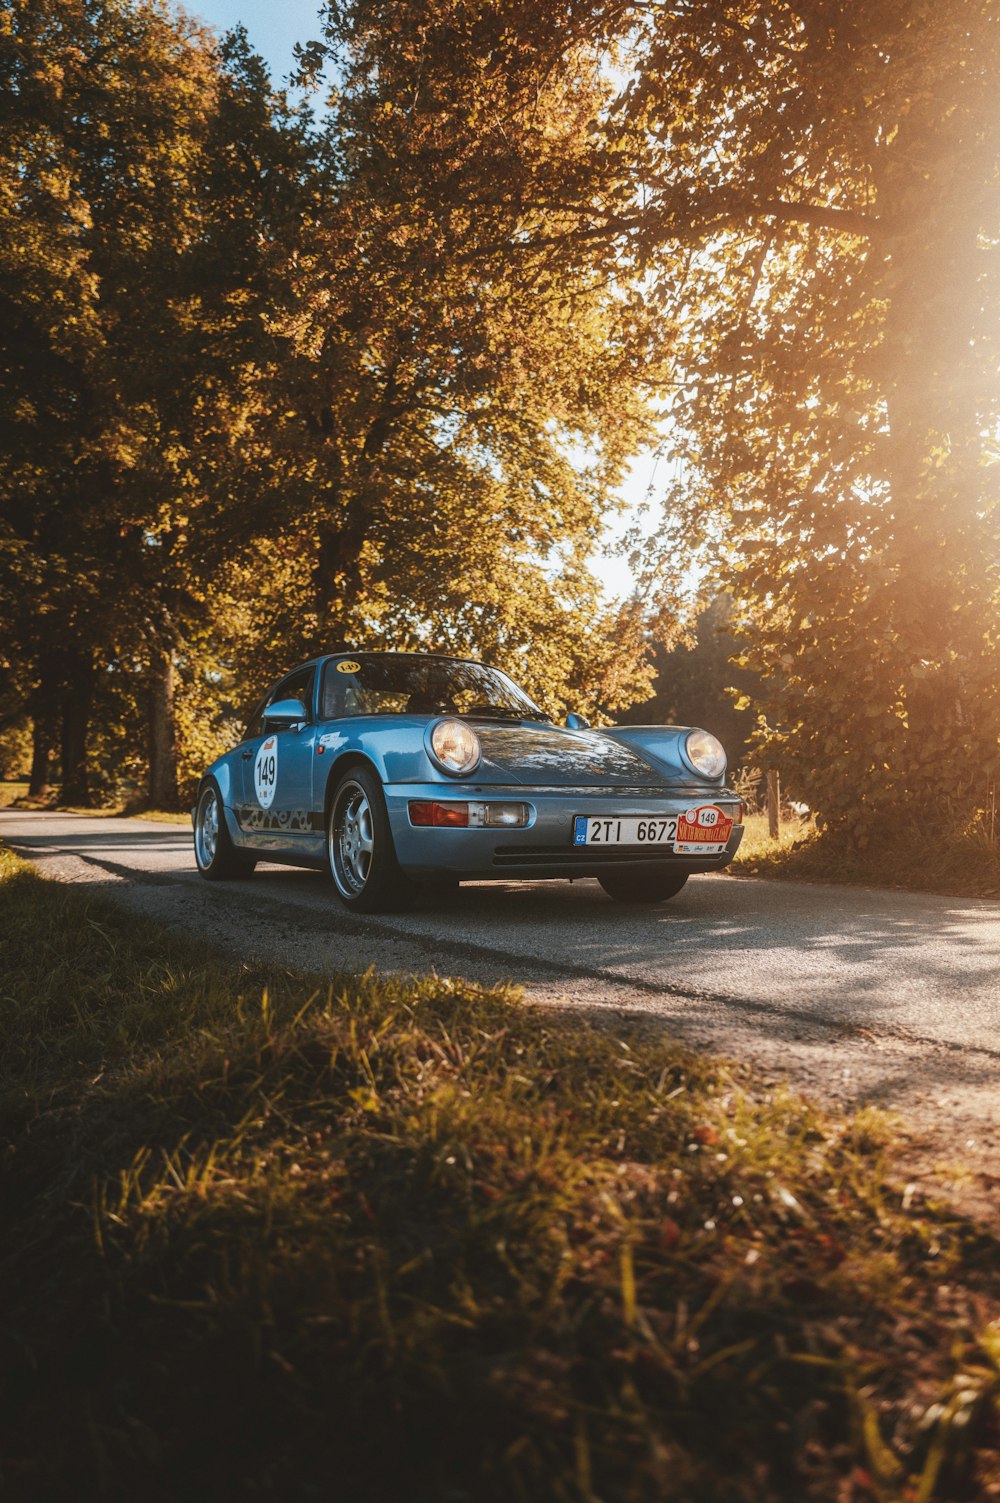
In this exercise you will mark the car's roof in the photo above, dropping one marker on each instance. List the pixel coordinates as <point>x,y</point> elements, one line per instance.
<point>364,652</point>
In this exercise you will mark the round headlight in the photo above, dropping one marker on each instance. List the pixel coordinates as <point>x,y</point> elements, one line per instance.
<point>455,746</point>
<point>705,753</point>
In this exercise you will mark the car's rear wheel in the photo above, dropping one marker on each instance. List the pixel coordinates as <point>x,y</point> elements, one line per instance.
<point>362,857</point>
<point>642,887</point>
<point>216,856</point>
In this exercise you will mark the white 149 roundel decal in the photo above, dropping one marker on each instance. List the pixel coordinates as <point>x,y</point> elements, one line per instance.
<point>265,772</point>
<point>706,817</point>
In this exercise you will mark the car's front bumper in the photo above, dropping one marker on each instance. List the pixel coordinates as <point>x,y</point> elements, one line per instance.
<point>544,848</point>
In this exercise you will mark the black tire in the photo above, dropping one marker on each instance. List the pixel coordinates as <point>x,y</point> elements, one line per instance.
<point>216,857</point>
<point>359,847</point>
<point>643,887</point>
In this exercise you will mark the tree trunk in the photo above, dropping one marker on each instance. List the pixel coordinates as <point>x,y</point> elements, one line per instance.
<point>337,575</point>
<point>336,583</point>
<point>41,760</point>
<point>78,695</point>
<point>43,707</point>
<point>773,805</point>
<point>163,792</point>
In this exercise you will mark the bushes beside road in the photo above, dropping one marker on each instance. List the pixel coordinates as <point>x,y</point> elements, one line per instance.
<point>967,864</point>
<point>265,1236</point>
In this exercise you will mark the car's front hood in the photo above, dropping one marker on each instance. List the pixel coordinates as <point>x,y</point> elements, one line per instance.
<point>550,756</point>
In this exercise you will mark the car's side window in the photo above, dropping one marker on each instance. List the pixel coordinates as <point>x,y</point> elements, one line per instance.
<point>297,685</point>
<point>338,696</point>
<point>255,724</point>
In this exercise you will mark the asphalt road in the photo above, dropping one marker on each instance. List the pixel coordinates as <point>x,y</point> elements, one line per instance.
<point>852,994</point>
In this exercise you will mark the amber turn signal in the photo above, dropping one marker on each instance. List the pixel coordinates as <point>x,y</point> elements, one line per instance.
<point>424,812</point>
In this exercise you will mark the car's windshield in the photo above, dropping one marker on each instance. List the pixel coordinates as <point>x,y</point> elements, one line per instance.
<point>390,684</point>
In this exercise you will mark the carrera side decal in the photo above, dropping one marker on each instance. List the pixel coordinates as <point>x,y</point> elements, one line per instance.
<point>296,821</point>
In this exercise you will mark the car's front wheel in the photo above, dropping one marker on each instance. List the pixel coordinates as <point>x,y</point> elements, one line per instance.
<point>359,847</point>
<point>642,887</point>
<point>216,856</point>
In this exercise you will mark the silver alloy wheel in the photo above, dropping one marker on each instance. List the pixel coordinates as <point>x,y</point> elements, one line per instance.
<point>206,833</point>
<point>351,840</point>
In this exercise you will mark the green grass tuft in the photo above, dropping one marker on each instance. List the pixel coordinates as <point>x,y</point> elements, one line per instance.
<point>269,1237</point>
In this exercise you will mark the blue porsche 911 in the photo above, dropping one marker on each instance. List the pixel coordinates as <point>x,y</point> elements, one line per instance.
<point>396,769</point>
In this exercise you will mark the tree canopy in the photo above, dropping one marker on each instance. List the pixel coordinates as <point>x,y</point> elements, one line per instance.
<point>279,376</point>
<point>263,396</point>
<point>822,220</point>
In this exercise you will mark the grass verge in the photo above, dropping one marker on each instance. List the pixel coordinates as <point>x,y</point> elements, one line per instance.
<point>15,794</point>
<point>965,865</point>
<point>157,816</point>
<point>757,843</point>
<point>372,1240</point>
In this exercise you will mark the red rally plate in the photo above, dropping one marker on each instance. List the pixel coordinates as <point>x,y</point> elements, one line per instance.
<point>703,831</point>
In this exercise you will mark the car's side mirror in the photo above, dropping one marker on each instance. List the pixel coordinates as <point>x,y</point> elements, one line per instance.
<point>285,712</point>
<point>577,722</point>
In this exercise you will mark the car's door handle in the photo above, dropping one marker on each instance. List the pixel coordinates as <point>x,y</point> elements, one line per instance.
<point>246,755</point>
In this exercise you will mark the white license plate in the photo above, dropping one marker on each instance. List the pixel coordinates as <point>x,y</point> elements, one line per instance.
<point>627,829</point>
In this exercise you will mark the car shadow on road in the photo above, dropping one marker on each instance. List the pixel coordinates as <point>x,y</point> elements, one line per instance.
<point>726,912</point>
<point>844,924</point>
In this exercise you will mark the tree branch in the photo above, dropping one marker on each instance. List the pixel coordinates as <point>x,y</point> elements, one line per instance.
<point>822,216</point>
<point>693,224</point>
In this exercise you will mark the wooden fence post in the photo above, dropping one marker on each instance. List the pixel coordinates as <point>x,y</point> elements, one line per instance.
<point>773,805</point>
